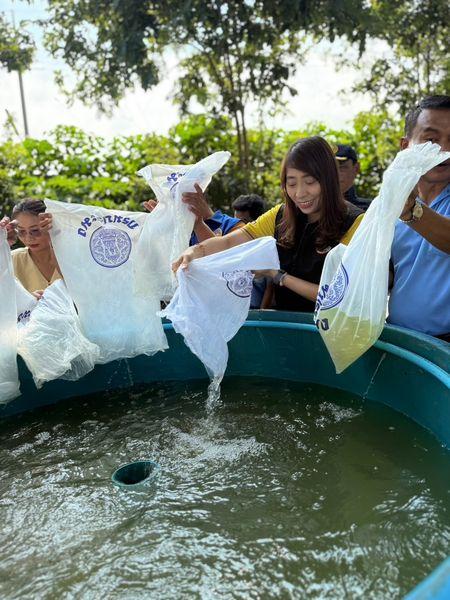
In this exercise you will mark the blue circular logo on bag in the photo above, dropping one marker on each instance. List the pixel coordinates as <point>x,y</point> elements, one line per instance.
<point>337,288</point>
<point>110,247</point>
<point>240,283</point>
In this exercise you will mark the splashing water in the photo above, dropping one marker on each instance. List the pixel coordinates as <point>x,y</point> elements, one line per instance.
<point>213,399</point>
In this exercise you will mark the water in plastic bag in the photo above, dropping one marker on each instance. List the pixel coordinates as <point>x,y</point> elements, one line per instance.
<point>168,230</point>
<point>25,303</point>
<point>9,375</point>
<point>213,299</point>
<point>51,341</point>
<point>353,291</point>
<point>95,252</point>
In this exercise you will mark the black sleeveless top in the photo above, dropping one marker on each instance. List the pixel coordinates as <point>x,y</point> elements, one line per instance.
<point>302,259</point>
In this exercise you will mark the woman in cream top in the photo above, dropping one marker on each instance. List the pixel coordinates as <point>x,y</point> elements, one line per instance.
<point>34,265</point>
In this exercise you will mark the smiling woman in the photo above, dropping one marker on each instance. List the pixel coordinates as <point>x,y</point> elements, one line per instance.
<point>313,218</point>
<point>35,265</point>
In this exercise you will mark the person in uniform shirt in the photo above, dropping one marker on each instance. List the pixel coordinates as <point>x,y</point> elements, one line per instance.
<point>348,167</point>
<point>208,223</point>
<point>420,255</point>
<point>313,218</point>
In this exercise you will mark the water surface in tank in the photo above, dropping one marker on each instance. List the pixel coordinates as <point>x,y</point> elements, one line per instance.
<point>285,491</point>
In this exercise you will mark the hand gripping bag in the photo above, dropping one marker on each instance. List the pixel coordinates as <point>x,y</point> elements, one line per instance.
<point>95,252</point>
<point>9,375</point>
<point>168,229</point>
<point>51,342</point>
<point>213,299</point>
<point>351,304</point>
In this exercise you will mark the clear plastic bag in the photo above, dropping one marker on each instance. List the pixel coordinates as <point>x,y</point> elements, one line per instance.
<point>25,303</point>
<point>51,342</point>
<point>213,299</point>
<point>9,375</point>
<point>95,252</point>
<point>352,300</point>
<point>168,230</point>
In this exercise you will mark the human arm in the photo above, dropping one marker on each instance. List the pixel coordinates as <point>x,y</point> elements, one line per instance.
<point>267,299</point>
<point>432,226</point>
<point>202,231</point>
<point>211,246</point>
<point>300,286</point>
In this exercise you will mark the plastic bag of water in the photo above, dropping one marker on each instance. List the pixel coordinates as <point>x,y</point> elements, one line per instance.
<point>9,376</point>
<point>213,299</point>
<point>50,340</point>
<point>168,230</point>
<point>351,304</point>
<point>95,252</point>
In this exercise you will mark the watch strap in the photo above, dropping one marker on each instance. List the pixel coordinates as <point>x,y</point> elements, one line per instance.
<point>278,279</point>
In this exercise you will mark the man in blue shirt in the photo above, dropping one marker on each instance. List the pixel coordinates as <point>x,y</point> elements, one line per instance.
<point>207,223</point>
<point>420,296</point>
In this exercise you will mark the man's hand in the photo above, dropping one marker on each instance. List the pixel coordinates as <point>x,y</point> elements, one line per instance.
<point>9,226</point>
<point>150,205</point>
<point>409,204</point>
<point>197,203</point>
<point>38,294</point>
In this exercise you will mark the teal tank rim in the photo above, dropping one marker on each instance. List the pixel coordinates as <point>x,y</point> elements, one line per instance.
<point>412,368</point>
<point>417,359</point>
<point>433,349</point>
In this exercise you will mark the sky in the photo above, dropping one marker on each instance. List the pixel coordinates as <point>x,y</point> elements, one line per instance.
<point>321,94</point>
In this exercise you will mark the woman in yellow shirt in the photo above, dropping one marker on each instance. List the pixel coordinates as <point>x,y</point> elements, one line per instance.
<point>313,219</point>
<point>34,265</point>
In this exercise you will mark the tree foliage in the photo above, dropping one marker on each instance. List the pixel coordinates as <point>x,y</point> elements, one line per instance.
<point>75,166</point>
<point>235,56</point>
<point>108,45</point>
<point>16,47</point>
<point>418,34</point>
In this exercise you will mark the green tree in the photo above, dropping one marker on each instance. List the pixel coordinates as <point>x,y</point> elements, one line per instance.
<point>16,47</point>
<point>418,34</point>
<point>74,166</point>
<point>108,45</point>
<point>236,56</point>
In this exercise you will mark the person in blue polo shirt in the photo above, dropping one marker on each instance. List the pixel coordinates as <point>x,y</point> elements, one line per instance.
<point>216,222</point>
<point>420,295</point>
<point>208,223</point>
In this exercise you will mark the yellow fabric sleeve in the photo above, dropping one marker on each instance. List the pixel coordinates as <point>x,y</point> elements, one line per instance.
<point>350,232</point>
<point>264,225</point>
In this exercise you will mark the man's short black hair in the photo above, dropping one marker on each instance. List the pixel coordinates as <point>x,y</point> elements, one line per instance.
<point>251,203</point>
<point>429,102</point>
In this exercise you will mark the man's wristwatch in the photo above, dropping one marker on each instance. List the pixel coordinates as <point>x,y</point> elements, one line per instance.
<point>278,278</point>
<point>416,213</point>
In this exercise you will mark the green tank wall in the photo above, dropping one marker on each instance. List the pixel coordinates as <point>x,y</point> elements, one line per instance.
<point>408,371</point>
